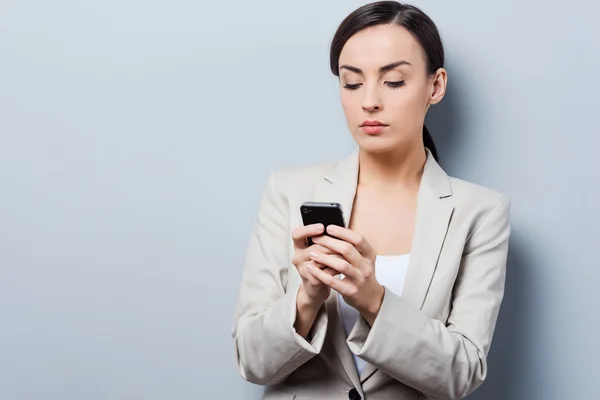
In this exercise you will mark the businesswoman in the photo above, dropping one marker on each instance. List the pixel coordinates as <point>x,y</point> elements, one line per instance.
<point>402,303</point>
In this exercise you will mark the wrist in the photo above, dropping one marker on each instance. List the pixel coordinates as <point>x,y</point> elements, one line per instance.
<point>372,309</point>
<point>307,311</point>
<point>305,303</point>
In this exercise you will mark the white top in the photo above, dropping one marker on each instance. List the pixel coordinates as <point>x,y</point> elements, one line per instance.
<point>390,272</point>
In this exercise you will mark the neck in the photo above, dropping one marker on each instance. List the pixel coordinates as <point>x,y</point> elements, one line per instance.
<point>399,167</point>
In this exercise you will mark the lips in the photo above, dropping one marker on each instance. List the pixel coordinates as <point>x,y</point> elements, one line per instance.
<point>372,123</point>
<point>372,127</point>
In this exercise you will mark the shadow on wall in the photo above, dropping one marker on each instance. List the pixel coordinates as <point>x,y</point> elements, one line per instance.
<point>447,123</point>
<point>505,361</point>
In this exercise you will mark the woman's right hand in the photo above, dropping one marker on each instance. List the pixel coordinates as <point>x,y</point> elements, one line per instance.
<point>313,292</point>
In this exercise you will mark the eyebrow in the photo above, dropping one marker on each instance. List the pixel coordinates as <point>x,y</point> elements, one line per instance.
<point>385,68</point>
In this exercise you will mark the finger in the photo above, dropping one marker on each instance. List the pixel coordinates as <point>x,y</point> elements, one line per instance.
<point>322,267</point>
<point>300,234</point>
<point>319,249</point>
<point>313,263</point>
<point>303,255</point>
<point>303,269</point>
<point>337,263</point>
<point>312,280</point>
<point>354,238</point>
<point>342,286</point>
<point>345,249</point>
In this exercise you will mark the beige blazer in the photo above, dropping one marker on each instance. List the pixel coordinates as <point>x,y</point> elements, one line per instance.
<point>430,343</point>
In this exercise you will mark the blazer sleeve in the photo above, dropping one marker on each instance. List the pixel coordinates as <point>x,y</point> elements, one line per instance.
<point>445,361</point>
<point>267,347</point>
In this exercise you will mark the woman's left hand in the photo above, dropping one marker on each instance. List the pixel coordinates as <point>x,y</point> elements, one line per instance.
<point>359,287</point>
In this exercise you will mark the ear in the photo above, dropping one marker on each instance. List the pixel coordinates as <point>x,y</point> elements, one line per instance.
<point>438,86</point>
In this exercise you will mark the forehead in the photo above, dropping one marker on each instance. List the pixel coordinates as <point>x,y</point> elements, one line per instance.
<point>380,45</point>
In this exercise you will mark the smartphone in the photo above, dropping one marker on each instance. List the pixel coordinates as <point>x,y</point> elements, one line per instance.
<point>315,212</point>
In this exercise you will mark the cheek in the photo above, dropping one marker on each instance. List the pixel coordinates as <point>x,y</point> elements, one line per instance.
<point>409,101</point>
<point>350,102</point>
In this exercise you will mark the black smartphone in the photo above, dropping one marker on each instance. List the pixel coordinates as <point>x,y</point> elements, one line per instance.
<point>315,212</point>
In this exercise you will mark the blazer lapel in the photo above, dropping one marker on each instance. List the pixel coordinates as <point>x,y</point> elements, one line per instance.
<point>339,186</point>
<point>434,210</point>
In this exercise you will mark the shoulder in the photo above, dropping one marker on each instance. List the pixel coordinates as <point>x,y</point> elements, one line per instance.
<point>293,179</point>
<point>479,204</point>
<point>471,194</point>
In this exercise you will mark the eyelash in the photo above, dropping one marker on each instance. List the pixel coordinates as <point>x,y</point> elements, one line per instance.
<point>393,85</point>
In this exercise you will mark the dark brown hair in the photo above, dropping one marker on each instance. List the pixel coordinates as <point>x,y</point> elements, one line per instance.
<point>407,16</point>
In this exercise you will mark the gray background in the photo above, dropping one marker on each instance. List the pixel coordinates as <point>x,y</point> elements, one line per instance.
<point>136,138</point>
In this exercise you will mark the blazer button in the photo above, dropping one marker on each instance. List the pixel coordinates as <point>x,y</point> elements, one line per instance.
<point>354,395</point>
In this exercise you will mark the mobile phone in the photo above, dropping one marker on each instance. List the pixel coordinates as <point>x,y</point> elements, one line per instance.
<point>326,213</point>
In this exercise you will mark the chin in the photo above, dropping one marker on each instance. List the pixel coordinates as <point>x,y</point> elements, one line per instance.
<point>376,144</point>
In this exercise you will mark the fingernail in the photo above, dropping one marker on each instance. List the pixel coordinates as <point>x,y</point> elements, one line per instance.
<point>313,254</point>
<point>309,266</point>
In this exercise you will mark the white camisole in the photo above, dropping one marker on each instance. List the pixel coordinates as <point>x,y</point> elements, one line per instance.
<point>390,272</point>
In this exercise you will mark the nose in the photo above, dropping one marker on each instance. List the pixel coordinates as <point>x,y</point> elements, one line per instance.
<point>371,102</point>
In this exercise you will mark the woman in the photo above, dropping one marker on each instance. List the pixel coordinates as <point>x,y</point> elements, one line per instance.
<point>402,303</point>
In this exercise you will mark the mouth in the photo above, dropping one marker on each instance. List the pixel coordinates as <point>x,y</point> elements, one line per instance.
<point>372,127</point>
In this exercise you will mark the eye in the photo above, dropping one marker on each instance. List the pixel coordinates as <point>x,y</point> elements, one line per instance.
<point>350,86</point>
<point>395,84</point>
